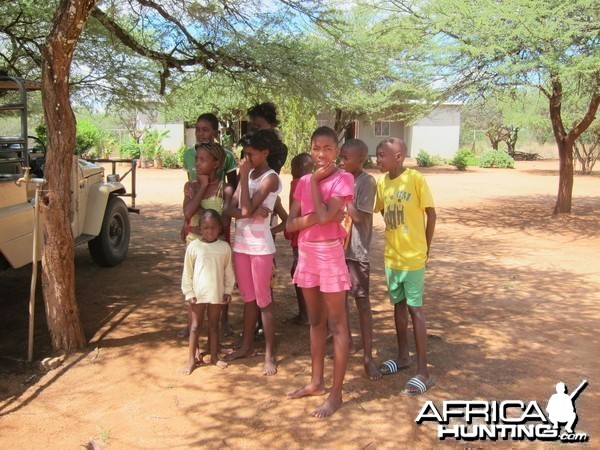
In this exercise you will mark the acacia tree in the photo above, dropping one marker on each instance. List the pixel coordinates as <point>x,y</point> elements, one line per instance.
<point>587,149</point>
<point>58,271</point>
<point>550,45</point>
<point>371,74</point>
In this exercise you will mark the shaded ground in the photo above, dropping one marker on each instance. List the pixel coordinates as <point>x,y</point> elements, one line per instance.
<point>512,303</point>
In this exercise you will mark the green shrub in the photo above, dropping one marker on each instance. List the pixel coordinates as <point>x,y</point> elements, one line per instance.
<point>180,153</point>
<point>424,159</point>
<point>462,158</point>
<point>130,149</point>
<point>151,143</point>
<point>170,160</point>
<point>88,136</point>
<point>496,158</point>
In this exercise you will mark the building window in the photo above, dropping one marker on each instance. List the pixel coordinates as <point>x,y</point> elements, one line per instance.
<point>382,129</point>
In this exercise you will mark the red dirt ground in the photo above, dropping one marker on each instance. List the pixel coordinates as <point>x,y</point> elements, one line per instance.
<point>512,303</point>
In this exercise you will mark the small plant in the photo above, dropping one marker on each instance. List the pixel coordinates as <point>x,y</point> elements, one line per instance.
<point>151,143</point>
<point>462,158</point>
<point>496,158</point>
<point>424,159</point>
<point>88,135</point>
<point>180,153</point>
<point>130,149</point>
<point>170,160</point>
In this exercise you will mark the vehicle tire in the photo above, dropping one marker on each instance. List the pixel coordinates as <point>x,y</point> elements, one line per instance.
<point>110,247</point>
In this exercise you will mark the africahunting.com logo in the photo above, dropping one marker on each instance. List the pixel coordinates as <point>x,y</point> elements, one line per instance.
<point>509,419</point>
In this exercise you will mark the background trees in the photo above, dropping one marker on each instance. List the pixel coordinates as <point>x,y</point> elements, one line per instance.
<point>380,60</point>
<point>550,45</point>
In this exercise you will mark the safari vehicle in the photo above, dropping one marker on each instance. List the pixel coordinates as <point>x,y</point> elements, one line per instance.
<point>99,216</point>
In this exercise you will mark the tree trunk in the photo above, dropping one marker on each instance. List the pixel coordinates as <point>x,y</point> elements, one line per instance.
<point>565,178</point>
<point>58,271</point>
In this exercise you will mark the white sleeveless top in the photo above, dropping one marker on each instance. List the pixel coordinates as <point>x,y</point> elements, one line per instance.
<point>253,235</point>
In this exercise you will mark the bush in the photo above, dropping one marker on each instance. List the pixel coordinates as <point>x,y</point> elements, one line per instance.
<point>463,158</point>
<point>170,160</point>
<point>130,149</point>
<point>424,159</point>
<point>496,158</point>
<point>180,153</point>
<point>88,136</point>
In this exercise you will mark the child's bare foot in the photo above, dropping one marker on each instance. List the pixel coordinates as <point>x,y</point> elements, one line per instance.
<point>372,371</point>
<point>329,406</point>
<point>238,354</point>
<point>308,390</point>
<point>189,368</point>
<point>270,367</point>
<point>221,364</point>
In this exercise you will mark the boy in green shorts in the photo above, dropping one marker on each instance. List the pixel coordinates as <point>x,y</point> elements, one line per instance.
<point>404,199</point>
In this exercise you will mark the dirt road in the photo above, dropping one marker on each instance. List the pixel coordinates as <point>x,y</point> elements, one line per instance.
<point>512,303</point>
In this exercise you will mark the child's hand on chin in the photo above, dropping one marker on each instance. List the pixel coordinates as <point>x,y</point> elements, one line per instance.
<point>323,172</point>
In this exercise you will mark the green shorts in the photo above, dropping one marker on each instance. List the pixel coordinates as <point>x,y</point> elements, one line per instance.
<point>406,284</point>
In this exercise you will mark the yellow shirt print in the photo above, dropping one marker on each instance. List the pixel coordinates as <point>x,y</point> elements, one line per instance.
<point>403,201</point>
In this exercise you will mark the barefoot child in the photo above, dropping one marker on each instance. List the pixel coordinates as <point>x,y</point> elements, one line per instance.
<point>207,191</point>
<point>207,283</point>
<point>353,156</point>
<point>302,164</point>
<point>253,246</point>
<point>316,212</point>
<point>404,199</point>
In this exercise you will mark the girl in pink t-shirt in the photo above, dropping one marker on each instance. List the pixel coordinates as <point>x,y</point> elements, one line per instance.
<point>316,212</point>
<point>253,247</point>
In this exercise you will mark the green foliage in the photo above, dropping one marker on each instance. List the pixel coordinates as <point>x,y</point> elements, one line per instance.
<point>462,158</point>
<point>151,146</point>
<point>88,136</point>
<point>42,133</point>
<point>424,159</point>
<point>297,124</point>
<point>170,160</point>
<point>496,158</point>
<point>180,153</point>
<point>130,149</point>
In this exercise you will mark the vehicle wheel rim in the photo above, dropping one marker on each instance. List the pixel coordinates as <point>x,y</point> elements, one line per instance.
<point>115,231</point>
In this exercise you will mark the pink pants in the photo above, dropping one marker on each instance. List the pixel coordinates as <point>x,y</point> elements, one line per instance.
<point>253,275</point>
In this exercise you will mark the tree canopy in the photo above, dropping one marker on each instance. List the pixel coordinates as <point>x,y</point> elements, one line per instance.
<point>482,46</point>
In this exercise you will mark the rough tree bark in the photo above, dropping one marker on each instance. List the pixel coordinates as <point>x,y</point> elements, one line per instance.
<point>565,142</point>
<point>512,134</point>
<point>58,271</point>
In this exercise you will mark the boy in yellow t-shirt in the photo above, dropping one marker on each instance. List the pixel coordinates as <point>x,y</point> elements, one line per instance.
<point>405,200</point>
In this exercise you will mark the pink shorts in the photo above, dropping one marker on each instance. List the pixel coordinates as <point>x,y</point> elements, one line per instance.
<point>253,275</point>
<point>322,264</point>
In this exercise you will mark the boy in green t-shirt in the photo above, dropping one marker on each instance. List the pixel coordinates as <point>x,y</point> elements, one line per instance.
<point>404,199</point>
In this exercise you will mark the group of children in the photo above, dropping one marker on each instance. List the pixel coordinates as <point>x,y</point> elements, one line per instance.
<point>330,225</point>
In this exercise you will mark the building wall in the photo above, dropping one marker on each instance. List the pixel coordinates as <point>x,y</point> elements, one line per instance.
<point>176,137</point>
<point>437,133</point>
<point>366,132</point>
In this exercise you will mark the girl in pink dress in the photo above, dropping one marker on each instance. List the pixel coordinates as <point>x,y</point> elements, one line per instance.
<point>316,212</point>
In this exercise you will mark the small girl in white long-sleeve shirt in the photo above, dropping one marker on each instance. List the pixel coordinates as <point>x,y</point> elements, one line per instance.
<point>207,283</point>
